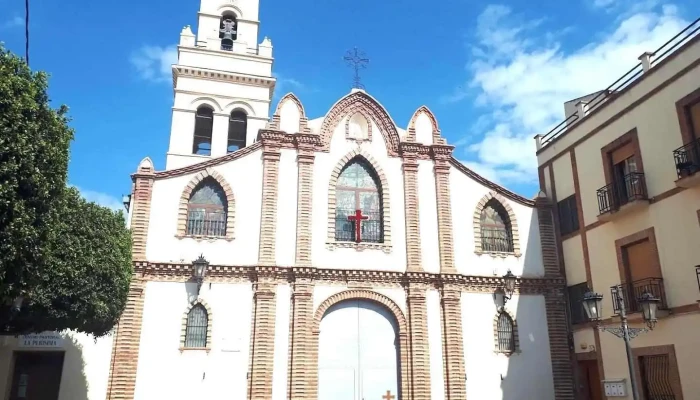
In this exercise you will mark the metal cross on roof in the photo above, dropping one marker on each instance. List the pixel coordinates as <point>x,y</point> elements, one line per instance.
<point>357,60</point>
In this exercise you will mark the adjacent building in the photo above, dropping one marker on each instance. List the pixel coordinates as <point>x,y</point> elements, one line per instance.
<point>624,172</point>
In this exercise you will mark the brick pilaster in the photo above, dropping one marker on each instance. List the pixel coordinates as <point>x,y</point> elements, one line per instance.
<point>125,349</point>
<point>560,352</point>
<point>419,385</point>
<point>410,187</point>
<point>141,212</point>
<point>268,217</point>
<point>302,354</point>
<point>548,238</point>
<point>305,162</point>
<point>262,342</point>
<point>441,156</point>
<point>452,344</point>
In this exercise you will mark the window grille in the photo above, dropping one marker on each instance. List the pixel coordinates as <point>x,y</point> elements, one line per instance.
<point>206,211</point>
<point>506,336</point>
<point>358,188</point>
<point>496,235</point>
<point>197,326</point>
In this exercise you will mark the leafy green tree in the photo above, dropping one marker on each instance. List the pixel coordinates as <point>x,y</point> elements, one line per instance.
<point>68,259</point>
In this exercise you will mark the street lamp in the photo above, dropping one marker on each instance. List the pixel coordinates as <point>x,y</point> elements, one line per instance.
<point>509,284</point>
<point>593,305</point>
<point>199,270</point>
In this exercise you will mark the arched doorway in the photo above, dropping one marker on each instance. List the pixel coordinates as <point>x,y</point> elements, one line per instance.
<point>358,353</point>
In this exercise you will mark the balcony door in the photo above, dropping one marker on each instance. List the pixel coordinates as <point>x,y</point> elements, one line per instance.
<point>642,272</point>
<point>626,182</point>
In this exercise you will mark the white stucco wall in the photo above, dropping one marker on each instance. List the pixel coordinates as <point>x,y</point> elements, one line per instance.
<point>285,246</point>
<point>524,375</point>
<point>427,206</point>
<point>166,372</point>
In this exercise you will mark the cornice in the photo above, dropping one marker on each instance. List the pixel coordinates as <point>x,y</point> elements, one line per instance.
<point>204,50</point>
<point>182,272</point>
<point>221,76</point>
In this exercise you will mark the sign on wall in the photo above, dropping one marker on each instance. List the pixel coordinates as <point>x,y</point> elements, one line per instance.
<point>41,340</point>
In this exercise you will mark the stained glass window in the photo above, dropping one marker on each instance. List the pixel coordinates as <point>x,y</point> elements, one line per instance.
<point>495,228</point>
<point>197,326</point>
<point>206,214</point>
<point>358,189</point>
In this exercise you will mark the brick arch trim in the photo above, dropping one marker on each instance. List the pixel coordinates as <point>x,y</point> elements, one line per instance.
<point>386,201</point>
<point>375,297</point>
<point>364,115</point>
<point>516,337</point>
<point>511,219</point>
<point>183,331</point>
<point>411,135</point>
<point>351,104</point>
<point>303,120</point>
<point>185,198</point>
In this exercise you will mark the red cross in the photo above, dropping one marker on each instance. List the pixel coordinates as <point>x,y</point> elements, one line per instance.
<point>388,396</point>
<point>357,218</point>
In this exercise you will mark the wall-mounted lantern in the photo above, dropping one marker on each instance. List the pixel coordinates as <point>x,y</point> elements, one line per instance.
<point>199,270</point>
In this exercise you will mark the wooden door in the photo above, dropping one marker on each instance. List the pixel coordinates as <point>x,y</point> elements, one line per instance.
<point>36,376</point>
<point>589,380</point>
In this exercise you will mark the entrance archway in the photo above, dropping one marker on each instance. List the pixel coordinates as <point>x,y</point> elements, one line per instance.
<point>360,337</point>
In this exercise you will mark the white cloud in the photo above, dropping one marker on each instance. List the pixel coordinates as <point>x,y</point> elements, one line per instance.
<point>102,199</point>
<point>153,63</point>
<point>285,85</point>
<point>522,78</point>
<point>13,22</point>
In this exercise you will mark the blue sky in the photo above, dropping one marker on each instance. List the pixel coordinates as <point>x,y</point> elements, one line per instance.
<point>495,74</point>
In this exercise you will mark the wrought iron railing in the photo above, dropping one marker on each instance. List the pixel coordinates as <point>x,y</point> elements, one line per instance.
<point>206,227</point>
<point>620,85</point>
<point>687,158</point>
<point>632,292</point>
<point>227,47</point>
<point>496,240</point>
<point>697,274</point>
<point>615,195</point>
<point>371,229</point>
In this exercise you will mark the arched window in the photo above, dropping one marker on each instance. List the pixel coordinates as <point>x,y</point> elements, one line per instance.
<point>197,325</point>
<point>228,30</point>
<point>506,333</point>
<point>203,124</point>
<point>237,128</point>
<point>358,201</point>
<point>206,210</point>
<point>496,234</point>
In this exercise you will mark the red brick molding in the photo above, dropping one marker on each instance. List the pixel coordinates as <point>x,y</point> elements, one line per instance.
<point>560,353</point>
<point>374,297</point>
<point>185,198</point>
<point>513,225</point>
<point>516,337</point>
<point>441,155</point>
<point>303,120</point>
<point>262,343</point>
<point>417,312</point>
<point>411,132</point>
<point>386,204</point>
<point>268,218</point>
<point>301,353</point>
<point>141,214</point>
<point>183,330</point>
<point>356,102</point>
<point>452,344</point>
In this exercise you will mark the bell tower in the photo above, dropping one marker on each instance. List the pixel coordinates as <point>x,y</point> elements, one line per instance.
<point>222,83</point>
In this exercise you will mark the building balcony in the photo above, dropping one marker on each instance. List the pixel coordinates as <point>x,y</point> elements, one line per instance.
<point>622,197</point>
<point>632,292</point>
<point>687,158</point>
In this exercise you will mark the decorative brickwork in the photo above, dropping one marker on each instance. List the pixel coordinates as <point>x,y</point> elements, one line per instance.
<point>441,156</point>
<point>303,121</point>
<point>548,238</point>
<point>301,350</point>
<point>386,204</point>
<point>141,207</point>
<point>262,342</point>
<point>559,350</point>
<point>516,337</point>
<point>305,181</point>
<point>361,102</point>
<point>403,336</point>
<point>511,217</point>
<point>268,219</point>
<point>411,132</point>
<point>414,261</point>
<point>185,198</point>
<point>453,344</point>
<point>125,350</point>
<point>419,378</point>
<point>183,330</point>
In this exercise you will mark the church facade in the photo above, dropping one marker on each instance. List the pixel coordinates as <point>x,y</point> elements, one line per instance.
<point>339,257</point>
